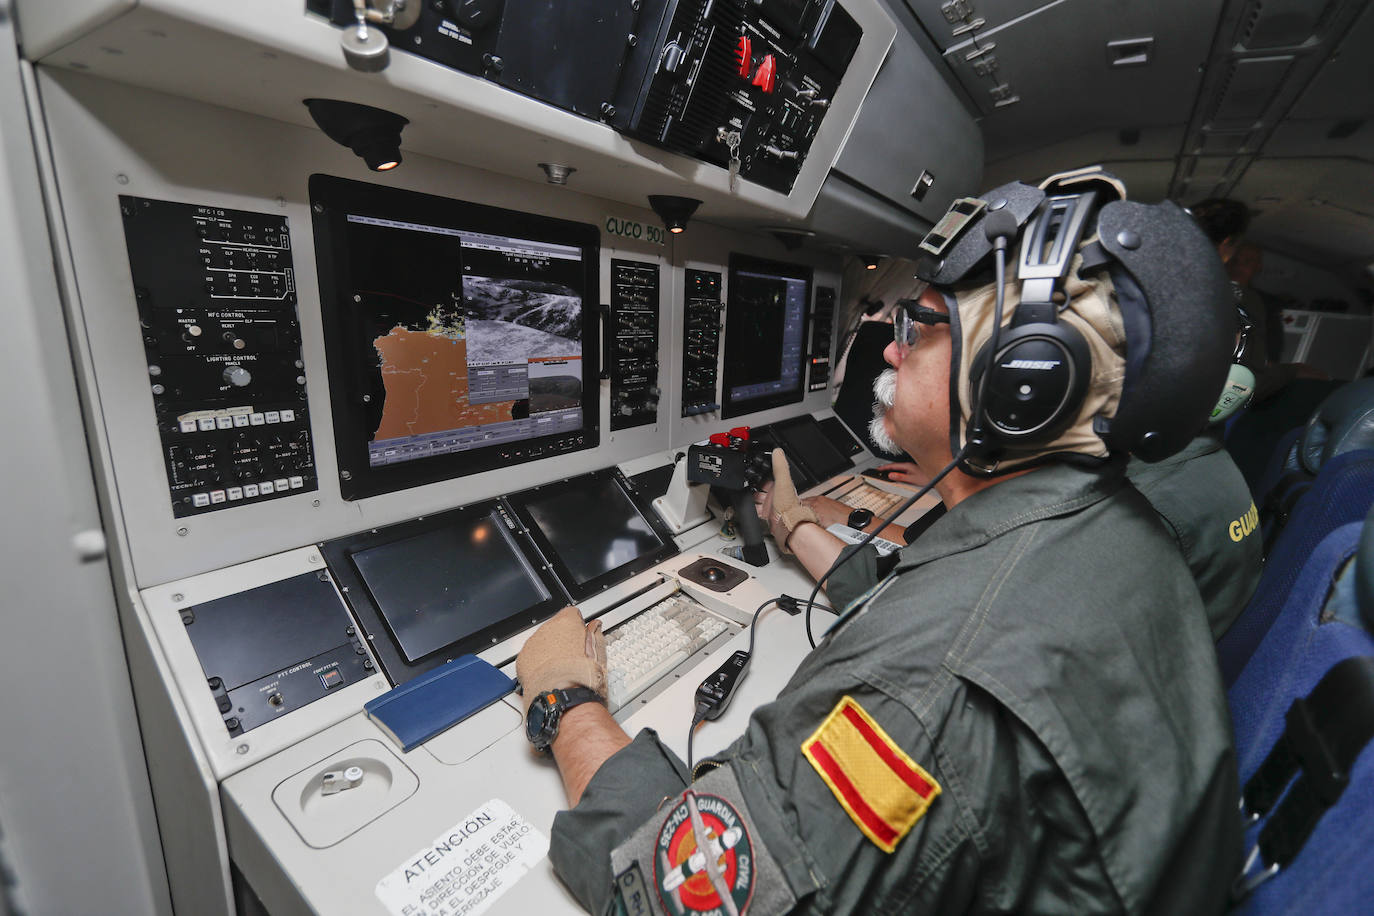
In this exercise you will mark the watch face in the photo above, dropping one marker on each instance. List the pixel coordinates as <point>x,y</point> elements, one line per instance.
<point>536,720</point>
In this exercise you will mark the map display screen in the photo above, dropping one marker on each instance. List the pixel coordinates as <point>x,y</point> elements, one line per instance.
<point>479,341</point>
<point>456,334</point>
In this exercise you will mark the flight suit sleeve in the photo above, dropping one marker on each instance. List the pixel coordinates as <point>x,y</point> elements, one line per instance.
<point>854,576</point>
<point>624,792</point>
<point>834,797</point>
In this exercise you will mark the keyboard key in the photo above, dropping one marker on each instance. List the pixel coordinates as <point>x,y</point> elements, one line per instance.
<point>645,648</point>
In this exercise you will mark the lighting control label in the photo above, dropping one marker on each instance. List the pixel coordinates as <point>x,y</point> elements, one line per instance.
<point>467,867</point>
<point>215,295</point>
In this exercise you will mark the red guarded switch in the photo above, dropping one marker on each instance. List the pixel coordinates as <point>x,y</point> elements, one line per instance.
<point>766,76</point>
<point>740,432</point>
<point>720,439</point>
<point>744,56</point>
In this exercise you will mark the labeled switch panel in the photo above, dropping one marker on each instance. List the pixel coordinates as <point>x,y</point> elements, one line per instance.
<point>633,357</point>
<point>276,648</point>
<point>822,326</point>
<point>216,299</point>
<point>700,342</point>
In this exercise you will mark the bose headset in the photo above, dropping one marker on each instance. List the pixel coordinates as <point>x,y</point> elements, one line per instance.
<point>1031,377</point>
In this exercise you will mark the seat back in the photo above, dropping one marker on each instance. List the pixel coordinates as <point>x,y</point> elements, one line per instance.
<point>1342,493</point>
<point>1331,872</point>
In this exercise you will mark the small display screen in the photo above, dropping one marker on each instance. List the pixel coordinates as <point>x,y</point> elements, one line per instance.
<point>805,439</point>
<point>592,530</point>
<point>765,334</point>
<point>440,587</point>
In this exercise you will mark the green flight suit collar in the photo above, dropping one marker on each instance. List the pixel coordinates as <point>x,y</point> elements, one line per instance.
<point>1046,492</point>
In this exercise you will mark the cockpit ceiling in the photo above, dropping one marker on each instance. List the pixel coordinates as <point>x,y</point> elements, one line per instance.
<point>1269,101</point>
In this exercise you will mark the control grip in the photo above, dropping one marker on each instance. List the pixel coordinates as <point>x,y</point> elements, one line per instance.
<point>750,528</point>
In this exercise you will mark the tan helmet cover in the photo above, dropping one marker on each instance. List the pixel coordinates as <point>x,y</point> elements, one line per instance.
<point>1093,310</point>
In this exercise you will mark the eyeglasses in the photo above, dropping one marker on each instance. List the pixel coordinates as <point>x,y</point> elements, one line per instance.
<point>907,321</point>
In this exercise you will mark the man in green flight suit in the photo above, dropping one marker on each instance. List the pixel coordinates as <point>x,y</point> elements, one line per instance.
<point>1024,714</point>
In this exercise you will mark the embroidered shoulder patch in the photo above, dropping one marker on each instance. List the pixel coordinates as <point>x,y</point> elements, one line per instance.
<point>883,790</point>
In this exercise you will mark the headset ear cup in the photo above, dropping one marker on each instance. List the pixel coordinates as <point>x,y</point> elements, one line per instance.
<point>1239,389</point>
<point>1035,386</point>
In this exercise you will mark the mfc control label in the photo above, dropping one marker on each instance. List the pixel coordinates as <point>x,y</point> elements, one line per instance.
<point>467,867</point>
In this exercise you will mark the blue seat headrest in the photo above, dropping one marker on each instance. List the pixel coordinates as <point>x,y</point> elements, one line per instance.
<point>1364,573</point>
<point>1343,423</point>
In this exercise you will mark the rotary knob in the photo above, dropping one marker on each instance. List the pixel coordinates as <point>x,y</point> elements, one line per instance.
<point>237,376</point>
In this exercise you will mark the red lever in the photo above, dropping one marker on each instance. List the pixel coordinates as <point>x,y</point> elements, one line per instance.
<point>766,76</point>
<point>740,432</point>
<point>744,55</point>
<point>721,439</point>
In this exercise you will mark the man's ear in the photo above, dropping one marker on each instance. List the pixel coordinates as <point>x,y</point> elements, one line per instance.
<point>1227,248</point>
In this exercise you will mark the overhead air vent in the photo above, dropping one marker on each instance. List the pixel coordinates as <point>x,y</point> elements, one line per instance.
<point>1250,88</point>
<point>1280,23</point>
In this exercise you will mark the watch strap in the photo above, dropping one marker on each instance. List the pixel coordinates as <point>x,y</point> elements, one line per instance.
<point>556,703</point>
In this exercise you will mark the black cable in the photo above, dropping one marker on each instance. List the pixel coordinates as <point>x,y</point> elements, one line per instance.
<point>851,551</point>
<point>700,714</point>
<point>999,240</point>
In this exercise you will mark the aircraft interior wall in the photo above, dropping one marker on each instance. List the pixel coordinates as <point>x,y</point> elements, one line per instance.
<point>107,140</point>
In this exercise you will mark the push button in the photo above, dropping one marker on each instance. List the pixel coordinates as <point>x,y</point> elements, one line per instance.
<point>331,678</point>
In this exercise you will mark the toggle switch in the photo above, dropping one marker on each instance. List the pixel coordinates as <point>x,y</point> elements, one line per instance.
<point>766,76</point>
<point>744,56</point>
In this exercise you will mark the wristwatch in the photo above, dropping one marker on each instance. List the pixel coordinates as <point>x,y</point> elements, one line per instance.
<point>548,709</point>
<point>859,519</point>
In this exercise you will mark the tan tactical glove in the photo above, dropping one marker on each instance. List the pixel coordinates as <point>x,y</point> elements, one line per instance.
<point>787,510</point>
<point>562,653</point>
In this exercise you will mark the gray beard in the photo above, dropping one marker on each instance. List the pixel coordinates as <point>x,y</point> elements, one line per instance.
<point>884,396</point>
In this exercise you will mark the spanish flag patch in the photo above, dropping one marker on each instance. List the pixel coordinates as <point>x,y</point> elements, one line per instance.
<point>884,790</point>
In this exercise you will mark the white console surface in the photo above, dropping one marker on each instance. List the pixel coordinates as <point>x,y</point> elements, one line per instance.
<point>304,852</point>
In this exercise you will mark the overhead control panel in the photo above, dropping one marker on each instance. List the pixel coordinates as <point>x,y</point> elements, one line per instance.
<point>216,298</point>
<point>742,84</point>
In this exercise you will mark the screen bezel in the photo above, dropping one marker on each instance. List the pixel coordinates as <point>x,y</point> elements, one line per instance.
<point>518,503</point>
<point>784,430</point>
<point>338,554</point>
<point>730,406</point>
<point>351,391</point>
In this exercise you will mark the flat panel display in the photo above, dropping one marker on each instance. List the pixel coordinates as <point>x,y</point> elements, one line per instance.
<point>430,590</point>
<point>594,529</point>
<point>459,337</point>
<point>767,305</point>
<point>804,440</point>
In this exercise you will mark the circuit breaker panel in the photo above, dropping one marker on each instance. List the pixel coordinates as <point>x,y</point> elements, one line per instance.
<point>633,361</point>
<point>701,342</point>
<point>216,303</point>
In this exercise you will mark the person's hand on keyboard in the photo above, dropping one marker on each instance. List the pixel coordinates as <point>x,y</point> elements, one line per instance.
<point>905,472</point>
<point>562,653</point>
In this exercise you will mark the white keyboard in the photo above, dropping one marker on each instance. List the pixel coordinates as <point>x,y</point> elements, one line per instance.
<point>649,645</point>
<point>879,502</point>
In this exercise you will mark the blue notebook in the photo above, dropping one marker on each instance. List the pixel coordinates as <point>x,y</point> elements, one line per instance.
<point>422,708</point>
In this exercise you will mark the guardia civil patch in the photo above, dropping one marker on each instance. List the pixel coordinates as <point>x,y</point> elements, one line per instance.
<point>883,790</point>
<point>685,879</point>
